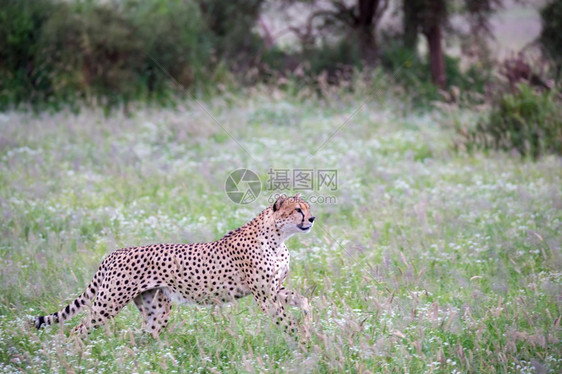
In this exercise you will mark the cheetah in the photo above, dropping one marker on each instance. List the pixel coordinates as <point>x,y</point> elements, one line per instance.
<point>252,259</point>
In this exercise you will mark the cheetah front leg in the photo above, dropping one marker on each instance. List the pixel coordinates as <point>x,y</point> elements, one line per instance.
<point>272,304</point>
<point>275,309</point>
<point>296,299</point>
<point>155,306</point>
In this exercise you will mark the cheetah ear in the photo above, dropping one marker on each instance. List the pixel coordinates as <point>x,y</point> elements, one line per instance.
<point>279,202</point>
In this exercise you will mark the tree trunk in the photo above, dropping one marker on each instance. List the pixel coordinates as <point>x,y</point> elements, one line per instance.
<point>410,24</point>
<point>436,58</point>
<point>367,11</point>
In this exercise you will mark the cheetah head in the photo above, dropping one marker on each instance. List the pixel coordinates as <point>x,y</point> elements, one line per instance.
<point>292,215</point>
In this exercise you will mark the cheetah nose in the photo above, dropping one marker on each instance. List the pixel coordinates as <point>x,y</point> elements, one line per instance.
<point>311,219</point>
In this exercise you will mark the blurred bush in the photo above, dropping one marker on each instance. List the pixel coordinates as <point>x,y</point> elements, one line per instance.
<point>57,53</point>
<point>410,72</point>
<point>525,119</point>
<point>23,75</point>
<point>414,75</point>
<point>91,51</point>
<point>175,39</point>
<point>332,61</point>
<point>230,25</point>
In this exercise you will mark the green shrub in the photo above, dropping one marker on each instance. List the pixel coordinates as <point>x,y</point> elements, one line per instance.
<point>116,54</point>
<point>410,72</point>
<point>58,53</point>
<point>23,76</point>
<point>229,25</point>
<point>92,51</point>
<point>473,79</point>
<point>414,74</point>
<point>175,38</point>
<point>330,58</point>
<point>527,121</point>
<point>335,61</point>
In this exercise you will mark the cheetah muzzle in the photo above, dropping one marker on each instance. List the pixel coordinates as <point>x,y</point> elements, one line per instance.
<point>251,260</point>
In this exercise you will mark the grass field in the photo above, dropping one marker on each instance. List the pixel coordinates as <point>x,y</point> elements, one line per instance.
<point>429,261</point>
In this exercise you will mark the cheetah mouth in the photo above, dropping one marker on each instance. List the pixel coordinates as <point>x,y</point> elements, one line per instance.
<point>303,228</point>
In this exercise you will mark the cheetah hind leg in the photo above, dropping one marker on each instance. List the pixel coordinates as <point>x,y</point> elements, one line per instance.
<point>155,306</point>
<point>103,309</point>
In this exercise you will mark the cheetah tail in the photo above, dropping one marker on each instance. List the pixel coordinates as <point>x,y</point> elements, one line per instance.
<point>74,307</point>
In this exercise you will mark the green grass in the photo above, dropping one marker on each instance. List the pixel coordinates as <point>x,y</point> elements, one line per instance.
<point>430,261</point>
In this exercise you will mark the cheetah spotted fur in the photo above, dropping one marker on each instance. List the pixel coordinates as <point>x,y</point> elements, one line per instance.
<point>252,259</point>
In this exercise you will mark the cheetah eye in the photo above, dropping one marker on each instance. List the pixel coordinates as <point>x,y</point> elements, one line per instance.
<point>298,210</point>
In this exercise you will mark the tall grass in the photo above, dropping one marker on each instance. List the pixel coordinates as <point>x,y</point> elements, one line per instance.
<point>431,260</point>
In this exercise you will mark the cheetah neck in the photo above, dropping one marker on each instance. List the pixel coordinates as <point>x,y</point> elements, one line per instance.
<point>262,227</point>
